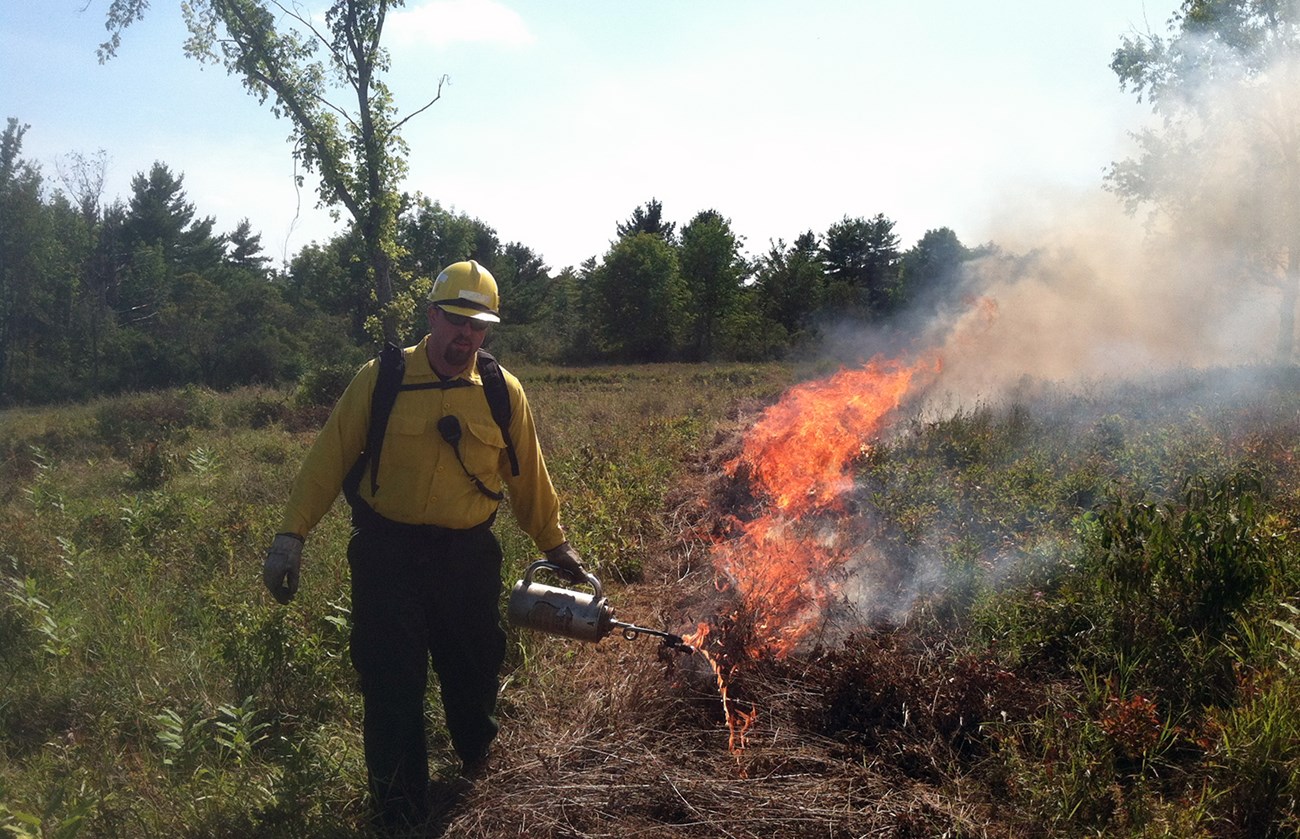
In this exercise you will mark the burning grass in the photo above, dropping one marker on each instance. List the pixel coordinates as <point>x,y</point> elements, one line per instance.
<point>1003,648</point>
<point>646,754</point>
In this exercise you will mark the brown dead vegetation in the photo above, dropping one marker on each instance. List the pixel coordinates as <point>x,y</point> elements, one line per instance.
<point>879,736</point>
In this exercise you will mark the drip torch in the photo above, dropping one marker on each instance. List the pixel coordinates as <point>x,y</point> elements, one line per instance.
<point>574,614</point>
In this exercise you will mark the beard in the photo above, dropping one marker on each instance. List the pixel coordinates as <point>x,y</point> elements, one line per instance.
<point>457,356</point>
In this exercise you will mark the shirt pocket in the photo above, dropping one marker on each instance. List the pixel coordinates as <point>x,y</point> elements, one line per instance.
<point>481,448</point>
<point>406,445</point>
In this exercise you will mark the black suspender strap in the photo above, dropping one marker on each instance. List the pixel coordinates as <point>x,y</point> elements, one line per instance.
<point>392,369</point>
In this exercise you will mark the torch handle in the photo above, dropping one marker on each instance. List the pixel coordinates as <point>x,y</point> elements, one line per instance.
<point>550,566</point>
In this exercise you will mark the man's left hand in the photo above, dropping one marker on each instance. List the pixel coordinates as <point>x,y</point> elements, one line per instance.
<point>280,569</point>
<point>564,557</point>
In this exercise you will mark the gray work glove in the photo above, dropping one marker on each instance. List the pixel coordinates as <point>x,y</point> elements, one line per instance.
<point>280,571</point>
<point>567,560</point>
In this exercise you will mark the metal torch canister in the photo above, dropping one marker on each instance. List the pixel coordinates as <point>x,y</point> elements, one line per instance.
<point>560,611</point>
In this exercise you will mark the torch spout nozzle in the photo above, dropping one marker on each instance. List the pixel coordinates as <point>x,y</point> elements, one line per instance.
<point>631,631</point>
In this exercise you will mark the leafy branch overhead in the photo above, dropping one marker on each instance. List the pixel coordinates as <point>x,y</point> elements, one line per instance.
<point>1223,163</point>
<point>355,147</point>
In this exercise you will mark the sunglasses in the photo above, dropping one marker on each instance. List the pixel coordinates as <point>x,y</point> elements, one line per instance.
<point>461,320</point>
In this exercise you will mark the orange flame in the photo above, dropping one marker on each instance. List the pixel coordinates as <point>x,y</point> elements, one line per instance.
<point>799,457</point>
<point>801,447</point>
<point>738,722</point>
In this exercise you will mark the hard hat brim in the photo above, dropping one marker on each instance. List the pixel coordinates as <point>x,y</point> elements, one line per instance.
<point>473,314</point>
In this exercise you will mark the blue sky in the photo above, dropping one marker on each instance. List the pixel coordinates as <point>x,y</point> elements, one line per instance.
<point>562,116</point>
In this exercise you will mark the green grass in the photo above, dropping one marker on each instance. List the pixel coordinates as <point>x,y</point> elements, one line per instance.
<point>1107,642</point>
<point>148,687</point>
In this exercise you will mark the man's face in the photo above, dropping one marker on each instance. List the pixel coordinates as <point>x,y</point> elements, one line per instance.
<point>453,340</point>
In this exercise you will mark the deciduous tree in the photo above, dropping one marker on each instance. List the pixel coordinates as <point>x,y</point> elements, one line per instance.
<point>432,237</point>
<point>353,144</point>
<point>931,266</point>
<point>639,300</point>
<point>1224,161</point>
<point>31,277</point>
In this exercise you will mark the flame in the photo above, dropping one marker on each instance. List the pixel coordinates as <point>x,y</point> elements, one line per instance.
<point>738,722</point>
<point>799,455</point>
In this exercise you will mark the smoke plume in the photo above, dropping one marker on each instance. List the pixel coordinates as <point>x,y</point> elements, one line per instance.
<point>1075,291</point>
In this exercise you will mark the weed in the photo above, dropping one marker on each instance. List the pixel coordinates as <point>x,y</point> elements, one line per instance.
<point>56,635</point>
<point>323,385</point>
<point>203,461</point>
<point>1288,643</point>
<point>1172,580</point>
<point>256,409</point>
<point>44,493</point>
<point>62,814</point>
<point>1255,759</point>
<point>124,423</point>
<point>151,465</point>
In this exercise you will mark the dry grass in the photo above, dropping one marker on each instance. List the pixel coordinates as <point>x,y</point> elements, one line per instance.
<point>637,746</point>
<point>629,740</point>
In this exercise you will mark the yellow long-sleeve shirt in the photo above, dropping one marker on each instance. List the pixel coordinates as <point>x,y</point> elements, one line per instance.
<point>420,480</point>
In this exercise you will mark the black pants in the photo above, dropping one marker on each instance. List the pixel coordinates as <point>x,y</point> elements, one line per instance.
<point>421,595</point>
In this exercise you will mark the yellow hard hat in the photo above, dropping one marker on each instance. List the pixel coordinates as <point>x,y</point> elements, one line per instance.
<point>467,288</point>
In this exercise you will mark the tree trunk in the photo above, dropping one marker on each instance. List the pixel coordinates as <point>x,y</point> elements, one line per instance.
<point>382,266</point>
<point>1290,295</point>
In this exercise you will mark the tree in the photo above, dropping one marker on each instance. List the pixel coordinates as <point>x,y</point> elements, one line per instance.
<point>1224,162</point>
<point>432,237</point>
<point>931,266</point>
<point>244,250</point>
<point>524,281</point>
<point>30,258</point>
<point>160,216</point>
<point>648,219</point>
<point>83,178</point>
<point>791,283</point>
<point>356,150</point>
<point>161,238</point>
<point>102,265</point>
<point>861,259</point>
<point>324,277</point>
<point>712,270</point>
<point>638,299</point>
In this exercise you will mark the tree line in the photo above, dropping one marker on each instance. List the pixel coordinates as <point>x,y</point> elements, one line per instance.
<point>144,293</point>
<point>101,297</point>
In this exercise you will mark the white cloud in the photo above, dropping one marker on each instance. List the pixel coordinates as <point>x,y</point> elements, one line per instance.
<point>444,22</point>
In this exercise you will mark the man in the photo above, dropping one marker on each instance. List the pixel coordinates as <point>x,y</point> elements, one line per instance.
<point>425,565</point>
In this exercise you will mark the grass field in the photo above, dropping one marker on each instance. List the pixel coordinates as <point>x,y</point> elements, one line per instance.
<point>1078,618</point>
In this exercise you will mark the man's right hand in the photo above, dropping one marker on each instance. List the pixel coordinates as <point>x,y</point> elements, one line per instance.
<point>280,570</point>
<point>564,557</point>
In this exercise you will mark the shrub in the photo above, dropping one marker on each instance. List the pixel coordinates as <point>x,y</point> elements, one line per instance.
<point>323,386</point>
<point>150,417</point>
<point>1171,581</point>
